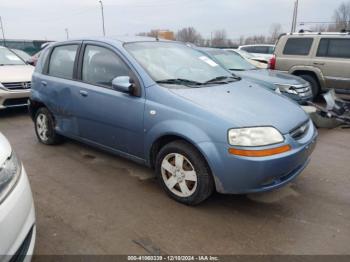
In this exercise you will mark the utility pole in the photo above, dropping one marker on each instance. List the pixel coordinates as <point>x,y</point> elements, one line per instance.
<point>67,33</point>
<point>103,18</point>
<point>295,16</point>
<point>3,32</point>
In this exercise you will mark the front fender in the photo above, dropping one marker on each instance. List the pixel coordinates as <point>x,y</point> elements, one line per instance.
<point>183,129</point>
<point>312,69</point>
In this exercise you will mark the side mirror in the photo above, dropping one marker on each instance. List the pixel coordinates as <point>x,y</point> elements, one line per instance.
<point>123,84</point>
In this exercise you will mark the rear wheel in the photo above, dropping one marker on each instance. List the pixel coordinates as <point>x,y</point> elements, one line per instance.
<point>45,127</point>
<point>314,84</point>
<point>183,173</point>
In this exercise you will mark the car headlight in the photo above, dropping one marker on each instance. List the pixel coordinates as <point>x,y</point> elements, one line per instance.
<point>287,89</point>
<point>10,171</point>
<point>254,136</point>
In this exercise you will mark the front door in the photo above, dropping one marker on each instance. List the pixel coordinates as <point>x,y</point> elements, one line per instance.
<point>105,116</point>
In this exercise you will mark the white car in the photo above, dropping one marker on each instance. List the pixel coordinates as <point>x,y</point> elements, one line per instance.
<point>250,58</point>
<point>15,79</point>
<point>263,53</point>
<point>17,215</point>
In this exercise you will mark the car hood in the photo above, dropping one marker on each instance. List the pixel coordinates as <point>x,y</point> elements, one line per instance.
<point>5,149</point>
<point>245,104</point>
<point>16,73</point>
<point>271,76</point>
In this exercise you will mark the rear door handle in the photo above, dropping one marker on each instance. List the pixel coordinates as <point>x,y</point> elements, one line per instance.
<point>317,63</point>
<point>83,93</point>
<point>44,83</point>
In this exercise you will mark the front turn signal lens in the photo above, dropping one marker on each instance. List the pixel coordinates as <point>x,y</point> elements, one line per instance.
<point>260,153</point>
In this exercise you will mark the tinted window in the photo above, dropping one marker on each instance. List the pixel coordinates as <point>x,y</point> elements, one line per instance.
<point>334,48</point>
<point>298,46</point>
<point>258,49</point>
<point>323,48</point>
<point>101,66</point>
<point>62,61</point>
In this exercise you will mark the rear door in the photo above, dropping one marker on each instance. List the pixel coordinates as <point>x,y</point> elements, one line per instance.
<point>57,85</point>
<point>291,51</point>
<point>333,59</point>
<point>105,116</point>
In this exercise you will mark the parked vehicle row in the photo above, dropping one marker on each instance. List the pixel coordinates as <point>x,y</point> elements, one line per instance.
<point>322,59</point>
<point>292,86</point>
<point>174,109</point>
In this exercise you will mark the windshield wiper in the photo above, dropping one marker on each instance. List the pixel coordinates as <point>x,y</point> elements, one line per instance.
<point>223,79</point>
<point>179,81</point>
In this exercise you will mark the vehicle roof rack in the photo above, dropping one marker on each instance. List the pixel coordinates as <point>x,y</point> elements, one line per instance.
<point>307,32</point>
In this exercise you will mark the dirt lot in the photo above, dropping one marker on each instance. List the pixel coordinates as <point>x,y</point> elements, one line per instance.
<point>90,202</point>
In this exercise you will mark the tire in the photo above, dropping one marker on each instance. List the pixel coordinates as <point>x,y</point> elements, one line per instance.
<point>189,183</point>
<point>45,127</point>
<point>314,84</point>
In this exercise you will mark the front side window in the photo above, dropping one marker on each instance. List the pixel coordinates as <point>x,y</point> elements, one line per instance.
<point>337,48</point>
<point>231,61</point>
<point>101,66</point>
<point>298,46</point>
<point>173,61</point>
<point>8,57</point>
<point>62,61</point>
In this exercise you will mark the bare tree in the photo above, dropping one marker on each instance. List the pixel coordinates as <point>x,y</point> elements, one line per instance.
<point>342,16</point>
<point>219,39</point>
<point>256,39</point>
<point>275,31</point>
<point>189,35</point>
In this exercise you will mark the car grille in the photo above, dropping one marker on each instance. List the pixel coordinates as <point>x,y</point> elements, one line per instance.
<point>300,131</point>
<point>303,90</point>
<point>17,85</point>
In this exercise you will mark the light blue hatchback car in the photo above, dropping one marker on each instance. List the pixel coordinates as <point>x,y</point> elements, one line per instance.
<point>168,106</point>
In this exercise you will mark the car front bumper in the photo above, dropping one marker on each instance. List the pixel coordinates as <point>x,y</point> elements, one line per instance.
<point>17,222</point>
<point>241,175</point>
<point>14,98</point>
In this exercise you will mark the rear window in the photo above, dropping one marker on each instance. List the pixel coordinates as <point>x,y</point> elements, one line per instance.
<point>298,46</point>
<point>62,61</point>
<point>258,49</point>
<point>338,48</point>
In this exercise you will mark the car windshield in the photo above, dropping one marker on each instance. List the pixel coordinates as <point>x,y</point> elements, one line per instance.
<point>8,57</point>
<point>231,60</point>
<point>178,64</point>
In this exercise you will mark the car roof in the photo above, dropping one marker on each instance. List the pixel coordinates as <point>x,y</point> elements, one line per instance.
<point>121,40</point>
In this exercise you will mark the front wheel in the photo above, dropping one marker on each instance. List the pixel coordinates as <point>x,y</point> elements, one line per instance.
<point>45,127</point>
<point>183,173</point>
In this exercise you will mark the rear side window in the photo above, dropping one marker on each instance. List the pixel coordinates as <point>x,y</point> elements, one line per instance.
<point>338,48</point>
<point>62,61</point>
<point>298,46</point>
<point>257,49</point>
<point>101,66</point>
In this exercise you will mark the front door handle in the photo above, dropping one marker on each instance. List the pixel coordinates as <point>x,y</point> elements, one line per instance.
<point>318,63</point>
<point>44,83</point>
<point>83,93</point>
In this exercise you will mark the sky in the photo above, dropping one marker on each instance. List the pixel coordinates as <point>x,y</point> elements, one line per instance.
<point>47,19</point>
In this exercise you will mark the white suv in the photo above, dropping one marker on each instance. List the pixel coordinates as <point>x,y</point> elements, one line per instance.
<point>15,79</point>
<point>17,215</point>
